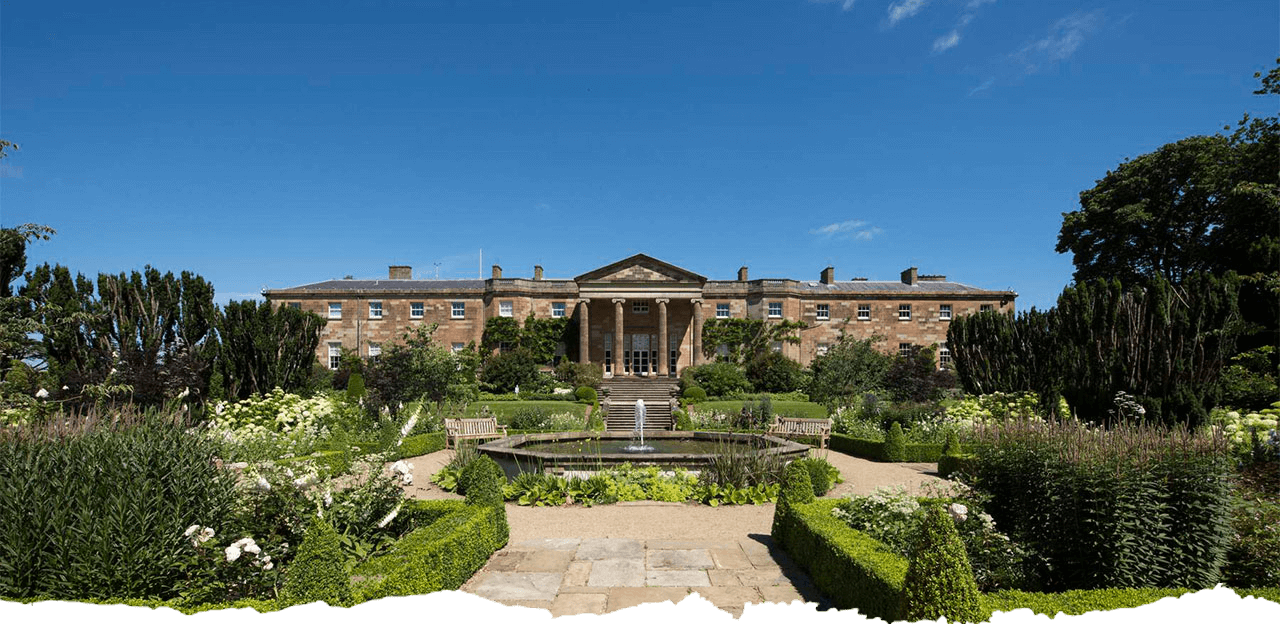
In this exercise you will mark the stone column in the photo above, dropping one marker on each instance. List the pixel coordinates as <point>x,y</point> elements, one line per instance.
<point>697,331</point>
<point>618,368</point>
<point>664,349</point>
<point>584,331</point>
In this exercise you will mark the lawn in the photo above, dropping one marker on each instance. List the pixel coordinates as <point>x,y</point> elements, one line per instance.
<point>505,410</point>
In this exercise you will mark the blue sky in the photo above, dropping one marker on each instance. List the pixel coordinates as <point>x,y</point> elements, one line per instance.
<point>275,144</point>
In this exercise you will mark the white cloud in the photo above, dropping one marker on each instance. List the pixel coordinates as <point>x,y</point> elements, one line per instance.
<point>947,41</point>
<point>845,5</point>
<point>1063,39</point>
<point>902,9</point>
<point>856,229</point>
<point>986,84</point>
<point>973,4</point>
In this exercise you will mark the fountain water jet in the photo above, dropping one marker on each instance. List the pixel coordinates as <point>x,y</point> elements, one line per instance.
<point>642,447</point>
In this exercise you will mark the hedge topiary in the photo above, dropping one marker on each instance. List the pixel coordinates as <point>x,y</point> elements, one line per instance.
<point>952,447</point>
<point>482,480</point>
<point>318,572</point>
<point>694,394</point>
<point>797,489</point>
<point>820,474</point>
<point>355,387</point>
<point>939,582</point>
<point>895,444</point>
<point>586,394</point>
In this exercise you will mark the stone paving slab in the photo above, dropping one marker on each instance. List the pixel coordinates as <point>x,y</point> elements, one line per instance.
<point>688,544</point>
<point>724,577</point>
<point>617,573</point>
<point>676,578</point>
<point>623,597</point>
<point>545,561</point>
<point>733,597</point>
<point>506,561</point>
<point>575,604</point>
<point>609,548</point>
<point>507,586</point>
<point>558,543</point>
<point>730,558</point>
<point>699,559</point>
<point>577,574</point>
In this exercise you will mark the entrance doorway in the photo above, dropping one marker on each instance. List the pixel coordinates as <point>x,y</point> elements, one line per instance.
<point>640,354</point>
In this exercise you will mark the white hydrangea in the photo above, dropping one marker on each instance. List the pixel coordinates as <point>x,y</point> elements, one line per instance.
<point>233,552</point>
<point>958,512</point>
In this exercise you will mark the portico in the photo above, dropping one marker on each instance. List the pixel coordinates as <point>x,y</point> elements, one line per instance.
<point>649,318</point>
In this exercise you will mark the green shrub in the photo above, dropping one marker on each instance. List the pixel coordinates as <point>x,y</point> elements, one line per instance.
<point>772,371</point>
<point>1127,507</point>
<point>939,581</point>
<point>318,573</point>
<point>952,446</point>
<point>1252,559</point>
<point>952,464</point>
<point>718,378</point>
<point>91,508</point>
<point>355,387</point>
<point>875,449</point>
<point>694,394</point>
<point>895,445</point>
<point>683,422</point>
<point>415,445</point>
<point>822,475</point>
<point>797,489</point>
<point>439,556</point>
<point>483,480</point>
<point>586,394</point>
<point>578,374</point>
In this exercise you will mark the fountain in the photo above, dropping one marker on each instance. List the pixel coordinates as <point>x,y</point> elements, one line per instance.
<point>642,447</point>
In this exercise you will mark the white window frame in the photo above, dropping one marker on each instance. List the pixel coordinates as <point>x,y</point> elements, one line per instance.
<point>824,311</point>
<point>776,347</point>
<point>457,347</point>
<point>822,349</point>
<point>864,307</point>
<point>722,310</point>
<point>944,312</point>
<point>558,309</point>
<point>335,306</point>
<point>375,349</point>
<point>904,349</point>
<point>457,309</point>
<point>639,307</point>
<point>772,306</point>
<point>904,311</point>
<point>417,309</point>
<point>986,307</point>
<point>375,309</point>
<point>335,355</point>
<point>944,356</point>
<point>507,309</point>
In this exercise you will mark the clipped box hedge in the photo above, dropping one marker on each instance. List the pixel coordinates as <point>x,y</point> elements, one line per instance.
<point>875,450</point>
<point>439,556</point>
<point>858,572</point>
<point>951,464</point>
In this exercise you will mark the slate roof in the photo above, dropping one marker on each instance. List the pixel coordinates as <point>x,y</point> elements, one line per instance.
<point>385,285</point>
<point>950,288</point>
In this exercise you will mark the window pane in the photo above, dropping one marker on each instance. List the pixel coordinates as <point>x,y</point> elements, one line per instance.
<point>415,309</point>
<point>722,310</point>
<point>557,310</point>
<point>505,308</point>
<point>335,310</point>
<point>458,309</point>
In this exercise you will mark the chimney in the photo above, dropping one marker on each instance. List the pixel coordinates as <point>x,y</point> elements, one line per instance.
<point>742,274</point>
<point>497,272</point>
<point>829,275</point>
<point>399,271</point>
<point>537,271</point>
<point>909,277</point>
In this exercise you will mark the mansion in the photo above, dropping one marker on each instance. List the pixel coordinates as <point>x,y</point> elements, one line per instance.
<point>643,317</point>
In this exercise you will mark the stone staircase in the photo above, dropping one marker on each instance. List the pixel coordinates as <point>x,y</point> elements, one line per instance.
<point>621,403</point>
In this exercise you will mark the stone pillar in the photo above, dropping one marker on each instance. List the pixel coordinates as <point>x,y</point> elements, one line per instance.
<point>664,349</point>
<point>697,331</point>
<point>584,331</point>
<point>618,368</point>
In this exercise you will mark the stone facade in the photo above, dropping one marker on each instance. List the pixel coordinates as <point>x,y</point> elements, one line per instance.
<point>637,301</point>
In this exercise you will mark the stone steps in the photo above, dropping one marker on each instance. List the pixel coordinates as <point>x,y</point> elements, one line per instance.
<point>623,394</point>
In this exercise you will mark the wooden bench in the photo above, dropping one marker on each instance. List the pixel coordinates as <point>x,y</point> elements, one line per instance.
<point>802,428</point>
<point>472,429</point>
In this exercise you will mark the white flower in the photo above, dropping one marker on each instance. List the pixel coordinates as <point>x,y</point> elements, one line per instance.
<point>66,388</point>
<point>407,479</point>
<point>252,548</point>
<point>289,471</point>
<point>184,393</point>
<point>242,542</point>
<point>958,512</point>
<point>207,533</point>
<point>191,529</point>
<point>391,516</point>
<point>305,480</point>
<point>233,552</point>
<point>42,394</point>
<point>268,566</point>
<point>328,498</point>
<point>263,484</point>
<point>401,468</point>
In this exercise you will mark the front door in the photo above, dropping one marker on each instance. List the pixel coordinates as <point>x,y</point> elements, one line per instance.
<point>640,354</point>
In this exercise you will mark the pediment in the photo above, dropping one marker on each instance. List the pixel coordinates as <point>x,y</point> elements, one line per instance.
<point>641,268</point>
